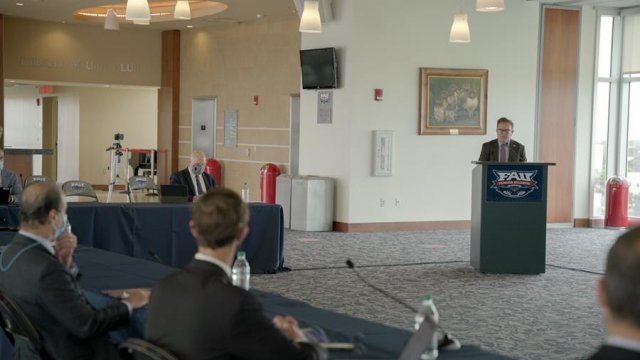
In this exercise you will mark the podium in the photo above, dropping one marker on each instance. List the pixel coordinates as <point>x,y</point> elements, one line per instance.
<point>509,217</point>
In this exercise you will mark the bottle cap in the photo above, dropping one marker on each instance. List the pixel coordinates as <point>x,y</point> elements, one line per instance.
<point>241,254</point>
<point>426,297</point>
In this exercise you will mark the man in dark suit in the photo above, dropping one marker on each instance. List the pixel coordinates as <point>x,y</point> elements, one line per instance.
<point>503,148</point>
<point>619,297</point>
<point>197,313</point>
<point>37,272</point>
<point>193,177</point>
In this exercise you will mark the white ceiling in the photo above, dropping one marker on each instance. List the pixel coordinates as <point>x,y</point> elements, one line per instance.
<point>61,11</point>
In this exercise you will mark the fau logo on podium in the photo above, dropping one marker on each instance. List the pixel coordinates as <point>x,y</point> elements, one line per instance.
<point>510,184</point>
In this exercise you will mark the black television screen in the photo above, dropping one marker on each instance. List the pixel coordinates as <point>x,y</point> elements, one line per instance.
<point>319,70</point>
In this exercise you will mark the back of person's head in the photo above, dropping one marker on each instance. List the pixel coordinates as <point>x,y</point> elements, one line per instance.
<point>38,200</point>
<point>219,217</point>
<point>504,120</point>
<point>622,278</point>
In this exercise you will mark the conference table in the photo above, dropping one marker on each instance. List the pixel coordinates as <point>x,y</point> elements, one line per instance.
<point>160,232</point>
<point>103,270</point>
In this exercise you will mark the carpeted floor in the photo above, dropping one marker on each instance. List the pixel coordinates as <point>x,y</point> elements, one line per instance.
<point>549,316</point>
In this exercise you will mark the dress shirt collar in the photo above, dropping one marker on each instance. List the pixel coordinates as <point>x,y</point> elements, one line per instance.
<point>625,343</point>
<point>210,259</point>
<point>44,242</point>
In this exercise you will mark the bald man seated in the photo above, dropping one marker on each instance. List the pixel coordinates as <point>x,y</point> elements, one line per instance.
<point>193,177</point>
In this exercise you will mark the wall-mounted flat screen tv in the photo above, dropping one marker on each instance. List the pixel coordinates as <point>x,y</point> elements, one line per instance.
<point>319,68</point>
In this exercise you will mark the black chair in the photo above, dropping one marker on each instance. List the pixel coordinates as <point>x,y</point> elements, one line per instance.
<point>138,349</point>
<point>16,325</point>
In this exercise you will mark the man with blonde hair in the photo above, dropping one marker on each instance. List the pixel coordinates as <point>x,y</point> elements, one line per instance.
<point>193,176</point>
<point>619,297</point>
<point>196,313</point>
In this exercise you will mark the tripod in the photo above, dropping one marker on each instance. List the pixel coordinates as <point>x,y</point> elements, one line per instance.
<point>116,152</point>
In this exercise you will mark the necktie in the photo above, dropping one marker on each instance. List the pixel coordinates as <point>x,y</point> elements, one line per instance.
<point>198,186</point>
<point>504,157</point>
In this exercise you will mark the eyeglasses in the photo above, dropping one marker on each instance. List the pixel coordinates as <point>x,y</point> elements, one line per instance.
<point>504,131</point>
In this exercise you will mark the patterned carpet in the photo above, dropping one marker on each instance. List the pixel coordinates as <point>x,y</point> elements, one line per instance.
<point>549,316</point>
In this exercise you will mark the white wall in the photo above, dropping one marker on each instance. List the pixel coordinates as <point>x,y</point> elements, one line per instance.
<point>383,44</point>
<point>88,117</point>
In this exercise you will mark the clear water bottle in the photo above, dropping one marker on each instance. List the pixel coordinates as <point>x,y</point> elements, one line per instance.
<point>241,271</point>
<point>428,312</point>
<point>245,192</point>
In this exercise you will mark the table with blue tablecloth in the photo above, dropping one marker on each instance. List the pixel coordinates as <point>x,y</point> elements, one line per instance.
<point>104,270</point>
<point>160,232</point>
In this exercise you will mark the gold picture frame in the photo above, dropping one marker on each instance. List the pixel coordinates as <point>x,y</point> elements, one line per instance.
<point>453,101</point>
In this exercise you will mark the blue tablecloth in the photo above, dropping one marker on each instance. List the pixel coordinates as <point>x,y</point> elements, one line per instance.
<point>160,232</point>
<point>104,270</point>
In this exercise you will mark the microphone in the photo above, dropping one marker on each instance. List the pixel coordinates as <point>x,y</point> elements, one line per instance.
<point>352,266</point>
<point>448,342</point>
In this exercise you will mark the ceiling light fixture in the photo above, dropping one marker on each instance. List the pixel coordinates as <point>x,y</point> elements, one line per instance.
<point>19,4</point>
<point>489,5</point>
<point>182,10</point>
<point>310,19</point>
<point>138,10</point>
<point>111,21</point>
<point>460,29</point>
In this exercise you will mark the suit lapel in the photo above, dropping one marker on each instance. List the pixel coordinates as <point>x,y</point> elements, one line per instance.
<point>187,175</point>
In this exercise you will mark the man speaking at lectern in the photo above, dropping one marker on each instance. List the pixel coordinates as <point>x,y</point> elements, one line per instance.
<point>503,149</point>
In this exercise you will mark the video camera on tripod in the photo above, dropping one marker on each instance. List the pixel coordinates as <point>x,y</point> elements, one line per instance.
<point>117,137</point>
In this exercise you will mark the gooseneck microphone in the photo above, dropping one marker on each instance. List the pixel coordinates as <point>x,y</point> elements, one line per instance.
<point>352,266</point>
<point>447,342</point>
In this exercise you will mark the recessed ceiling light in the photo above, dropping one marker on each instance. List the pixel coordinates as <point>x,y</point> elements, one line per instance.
<point>189,26</point>
<point>19,4</point>
<point>259,16</point>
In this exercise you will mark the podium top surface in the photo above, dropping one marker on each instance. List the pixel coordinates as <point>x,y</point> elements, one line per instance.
<point>511,163</point>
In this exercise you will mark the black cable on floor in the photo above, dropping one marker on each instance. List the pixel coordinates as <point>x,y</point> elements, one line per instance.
<point>382,265</point>
<point>574,269</point>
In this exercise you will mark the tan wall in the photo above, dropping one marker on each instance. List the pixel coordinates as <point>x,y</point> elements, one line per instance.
<point>106,111</point>
<point>233,63</point>
<point>47,51</point>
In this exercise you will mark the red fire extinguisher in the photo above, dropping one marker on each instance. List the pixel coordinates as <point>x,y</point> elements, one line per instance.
<point>214,168</point>
<point>617,203</point>
<point>268,175</point>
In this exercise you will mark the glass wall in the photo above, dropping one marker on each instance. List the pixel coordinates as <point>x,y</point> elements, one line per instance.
<point>616,124</point>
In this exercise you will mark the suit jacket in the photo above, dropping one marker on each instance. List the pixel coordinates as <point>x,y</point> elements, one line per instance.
<point>183,177</point>
<point>52,299</point>
<point>607,352</point>
<point>196,313</point>
<point>10,181</point>
<point>490,151</point>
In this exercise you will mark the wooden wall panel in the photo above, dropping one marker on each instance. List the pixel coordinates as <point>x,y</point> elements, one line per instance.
<point>169,106</point>
<point>2,78</point>
<point>557,113</point>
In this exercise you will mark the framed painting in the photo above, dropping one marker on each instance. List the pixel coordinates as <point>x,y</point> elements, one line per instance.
<point>453,101</point>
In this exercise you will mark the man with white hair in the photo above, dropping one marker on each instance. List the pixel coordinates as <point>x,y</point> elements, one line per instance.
<point>193,177</point>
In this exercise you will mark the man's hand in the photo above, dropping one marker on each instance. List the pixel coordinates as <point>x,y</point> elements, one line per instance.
<point>289,327</point>
<point>64,247</point>
<point>137,298</point>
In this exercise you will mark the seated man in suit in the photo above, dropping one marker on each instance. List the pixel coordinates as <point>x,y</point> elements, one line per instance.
<point>9,180</point>
<point>197,313</point>
<point>37,272</point>
<point>619,296</point>
<point>194,177</point>
<point>503,148</point>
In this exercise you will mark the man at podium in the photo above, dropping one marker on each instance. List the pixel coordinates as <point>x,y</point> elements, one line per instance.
<point>503,148</point>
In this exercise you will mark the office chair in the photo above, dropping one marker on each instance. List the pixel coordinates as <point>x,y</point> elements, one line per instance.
<point>138,349</point>
<point>140,183</point>
<point>78,188</point>
<point>36,178</point>
<point>15,324</point>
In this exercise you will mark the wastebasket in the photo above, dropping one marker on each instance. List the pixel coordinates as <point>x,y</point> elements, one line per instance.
<point>617,203</point>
